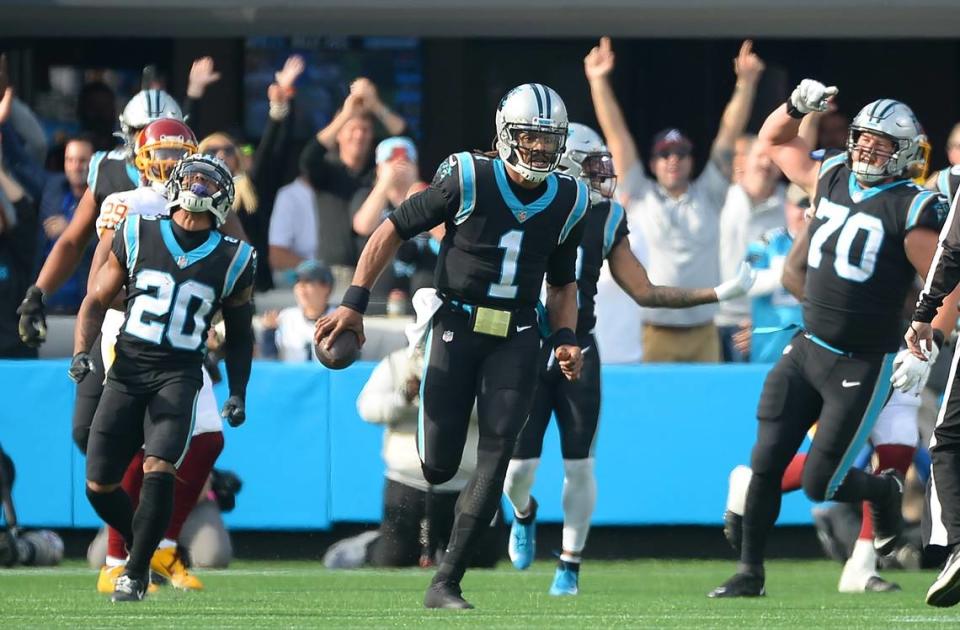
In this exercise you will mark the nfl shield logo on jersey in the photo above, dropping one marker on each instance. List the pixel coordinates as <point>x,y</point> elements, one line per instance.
<point>182,262</point>
<point>447,336</point>
<point>522,216</point>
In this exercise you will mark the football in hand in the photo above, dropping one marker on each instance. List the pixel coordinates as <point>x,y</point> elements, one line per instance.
<point>342,353</point>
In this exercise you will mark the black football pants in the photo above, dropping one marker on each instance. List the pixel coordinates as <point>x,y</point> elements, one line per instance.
<point>87,398</point>
<point>846,393</point>
<point>500,374</point>
<point>575,403</point>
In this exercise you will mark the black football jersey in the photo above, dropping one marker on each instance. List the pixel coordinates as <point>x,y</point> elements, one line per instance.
<point>497,247</point>
<point>858,273</point>
<point>948,180</point>
<point>604,226</point>
<point>111,172</point>
<point>171,296</point>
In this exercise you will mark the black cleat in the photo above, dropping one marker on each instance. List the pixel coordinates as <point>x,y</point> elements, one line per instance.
<point>945,590</point>
<point>445,595</point>
<point>740,585</point>
<point>877,584</point>
<point>733,529</point>
<point>888,515</point>
<point>129,589</point>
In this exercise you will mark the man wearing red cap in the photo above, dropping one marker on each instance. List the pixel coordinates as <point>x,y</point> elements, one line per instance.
<point>678,216</point>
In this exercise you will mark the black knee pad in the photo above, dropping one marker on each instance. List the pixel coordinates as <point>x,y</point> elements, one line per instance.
<point>436,476</point>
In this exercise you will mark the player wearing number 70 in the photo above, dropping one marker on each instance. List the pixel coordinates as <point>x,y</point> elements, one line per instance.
<point>510,220</point>
<point>178,271</point>
<point>871,232</point>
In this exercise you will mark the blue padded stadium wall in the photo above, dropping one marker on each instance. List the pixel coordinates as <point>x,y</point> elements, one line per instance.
<point>669,435</point>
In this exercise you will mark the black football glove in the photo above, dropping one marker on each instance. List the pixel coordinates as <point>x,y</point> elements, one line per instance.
<point>234,411</point>
<point>33,320</point>
<point>80,366</point>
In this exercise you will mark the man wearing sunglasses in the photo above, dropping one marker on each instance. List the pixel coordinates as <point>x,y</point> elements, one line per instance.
<point>678,216</point>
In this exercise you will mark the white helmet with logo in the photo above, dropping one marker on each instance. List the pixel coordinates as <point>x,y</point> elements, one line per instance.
<point>531,130</point>
<point>586,157</point>
<point>201,183</point>
<point>896,122</point>
<point>145,107</point>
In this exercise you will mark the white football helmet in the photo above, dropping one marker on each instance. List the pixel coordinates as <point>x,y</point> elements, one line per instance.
<point>896,122</point>
<point>145,107</point>
<point>587,158</point>
<point>201,183</point>
<point>531,130</point>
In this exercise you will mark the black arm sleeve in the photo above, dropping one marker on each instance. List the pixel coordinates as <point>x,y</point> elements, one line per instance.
<point>238,346</point>
<point>422,211</point>
<point>943,278</point>
<point>562,266</point>
<point>431,207</point>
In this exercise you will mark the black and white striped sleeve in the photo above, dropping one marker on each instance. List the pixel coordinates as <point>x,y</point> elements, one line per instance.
<point>944,274</point>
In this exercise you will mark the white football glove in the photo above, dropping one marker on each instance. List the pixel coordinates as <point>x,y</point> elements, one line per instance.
<point>811,96</point>
<point>910,374</point>
<point>738,285</point>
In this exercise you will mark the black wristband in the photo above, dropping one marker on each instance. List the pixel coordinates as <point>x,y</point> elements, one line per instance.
<point>938,338</point>
<point>924,312</point>
<point>563,337</point>
<point>793,112</point>
<point>356,298</point>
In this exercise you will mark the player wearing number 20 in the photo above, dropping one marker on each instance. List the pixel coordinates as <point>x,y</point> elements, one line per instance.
<point>872,231</point>
<point>510,221</point>
<point>178,271</point>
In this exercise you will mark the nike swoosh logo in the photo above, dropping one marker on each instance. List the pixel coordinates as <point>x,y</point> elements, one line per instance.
<point>523,328</point>
<point>847,383</point>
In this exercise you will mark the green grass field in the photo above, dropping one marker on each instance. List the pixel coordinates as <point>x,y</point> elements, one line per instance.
<point>646,593</point>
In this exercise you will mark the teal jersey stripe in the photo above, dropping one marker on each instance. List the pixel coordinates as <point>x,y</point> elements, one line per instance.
<point>943,182</point>
<point>913,214</point>
<point>522,211</point>
<point>832,162</point>
<point>468,187</point>
<point>131,234</point>
<point>579,209</point>
<point>610,229</point>
<point>240,261</point>
<point>194,255</point>
<point>94,169</point>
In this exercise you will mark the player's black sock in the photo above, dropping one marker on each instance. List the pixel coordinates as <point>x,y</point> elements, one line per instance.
<point>862,486</point>
<point>476,507</point>
<point>115,509</point>
<point>760,513</point>
<point>466,530</point>
<point>150,520</point>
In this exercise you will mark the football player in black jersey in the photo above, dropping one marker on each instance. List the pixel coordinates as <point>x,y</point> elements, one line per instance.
<point>872,231</point>
<point>110,172</point>
<point>577,403</point>
<point>510,220</point>
<point>178,271</point>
